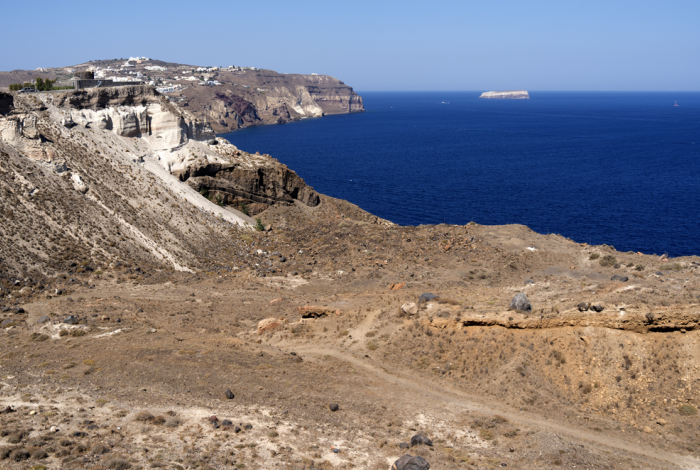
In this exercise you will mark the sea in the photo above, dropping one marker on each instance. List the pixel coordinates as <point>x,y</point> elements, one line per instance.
<point>621,169</point>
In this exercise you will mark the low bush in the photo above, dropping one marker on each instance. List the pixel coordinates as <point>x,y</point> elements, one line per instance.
<point>607,261</point>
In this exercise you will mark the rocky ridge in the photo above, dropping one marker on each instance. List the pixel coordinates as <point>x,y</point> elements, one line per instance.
<point>86,174</point>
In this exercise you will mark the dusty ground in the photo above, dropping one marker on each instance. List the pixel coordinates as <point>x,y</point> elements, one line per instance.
<point>136,381</point>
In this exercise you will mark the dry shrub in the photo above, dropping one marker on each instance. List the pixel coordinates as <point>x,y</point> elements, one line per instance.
<point>5,452</point>
<point>594,256</point>
<point>118,464</point>
<point>687,410</point>
<point>144,416</point>
<point>172,422</point>
<point>158,420</point>
<point>77,332</point>
<point>19,455</point>
<point>63,332</point>
<point>38,337</point>
<point>607,261</point>
<point>38,452</point>
<point>98,449</point>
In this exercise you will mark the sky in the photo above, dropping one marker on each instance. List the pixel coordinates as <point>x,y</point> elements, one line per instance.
<point>381,45</point>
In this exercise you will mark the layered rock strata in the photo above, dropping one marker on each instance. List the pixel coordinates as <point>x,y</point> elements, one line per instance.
<point>122,173</point>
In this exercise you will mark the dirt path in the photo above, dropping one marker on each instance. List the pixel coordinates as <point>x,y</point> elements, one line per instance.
<point>447,395</point>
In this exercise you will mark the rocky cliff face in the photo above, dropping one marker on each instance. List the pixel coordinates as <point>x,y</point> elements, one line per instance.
<point>249,98</point>
<point>121,173</point>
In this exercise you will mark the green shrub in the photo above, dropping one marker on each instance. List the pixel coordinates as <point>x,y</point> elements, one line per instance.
<point>671,267</point>
<point>259,226</point>
<point>244,209</point>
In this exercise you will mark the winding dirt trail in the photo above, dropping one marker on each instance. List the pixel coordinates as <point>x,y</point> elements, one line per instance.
<point>450,396</point>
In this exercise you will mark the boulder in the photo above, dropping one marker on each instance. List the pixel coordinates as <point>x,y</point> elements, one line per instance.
<point>520,303</point>
<point>583,307</point>
<point>269,324</point>
<point>229,394</point>
<point>409,308</point>
<point>597,308</point>
<point>71,320</point>
<point>427,297</point>
<point>408,462</point>
<point>333,407</point>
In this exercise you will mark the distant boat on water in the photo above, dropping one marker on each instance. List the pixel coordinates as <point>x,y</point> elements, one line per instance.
<point>675,103</point>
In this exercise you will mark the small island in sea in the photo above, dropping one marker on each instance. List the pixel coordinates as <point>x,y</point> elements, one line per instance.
<point>506,95</point>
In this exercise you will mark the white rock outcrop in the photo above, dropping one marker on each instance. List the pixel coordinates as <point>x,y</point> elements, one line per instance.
<point>506,95</point>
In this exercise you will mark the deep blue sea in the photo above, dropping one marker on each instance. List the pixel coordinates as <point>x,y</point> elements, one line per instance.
<point>615,168</point>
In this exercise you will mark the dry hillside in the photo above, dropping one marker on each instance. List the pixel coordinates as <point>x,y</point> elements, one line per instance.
<point>147,324</point>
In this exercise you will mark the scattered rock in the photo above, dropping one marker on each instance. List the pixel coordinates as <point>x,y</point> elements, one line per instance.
<point>597,308</point>
<point>586,340</point>
<point>236,429</point>
<point>229,394</point>
<point>43,319</point>
<point>248,427</point>
<point>71,320</point>
<point>418,440</point>
<point>529,281</point>
<point>661,422</point>
<point>403,445</point>
<point>619,278</point>
<point>409,308</point>
<point>520,303</point>
<point>226,422</point>
<point>408,462</point>
<point>426,297</point>
<point>647,429</point>
<point>333,407</point>
<point>397,286</point>
<point>583,307</point>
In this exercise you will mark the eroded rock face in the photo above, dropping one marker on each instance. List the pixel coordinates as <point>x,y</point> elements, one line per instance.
<point>237,178</point>
<point>134,111</point>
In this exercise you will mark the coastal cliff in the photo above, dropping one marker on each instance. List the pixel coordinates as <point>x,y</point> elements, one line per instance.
<point>124,173</point>
<point>226,98</point>
<point>506,95</point>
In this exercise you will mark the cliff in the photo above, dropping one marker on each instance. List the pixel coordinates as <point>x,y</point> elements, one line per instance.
<point>506,95</point>
<point>233,98</point>
<point>122,173</point>
<point>248,98</point>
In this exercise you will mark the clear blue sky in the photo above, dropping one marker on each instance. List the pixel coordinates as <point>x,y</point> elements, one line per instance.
<point>380,45</point>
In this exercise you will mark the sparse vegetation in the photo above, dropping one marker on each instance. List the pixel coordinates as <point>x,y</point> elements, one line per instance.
<point>608,261</point>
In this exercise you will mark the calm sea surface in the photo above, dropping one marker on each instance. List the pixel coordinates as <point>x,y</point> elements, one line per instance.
<point>615,168</point>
